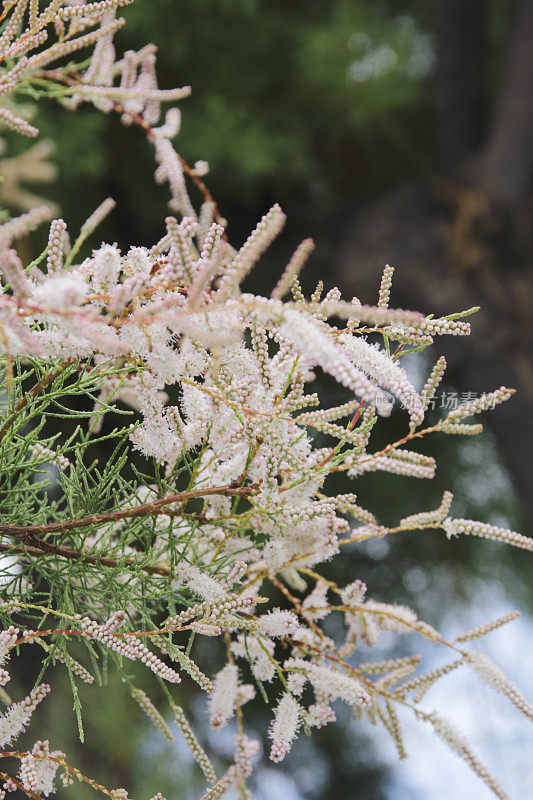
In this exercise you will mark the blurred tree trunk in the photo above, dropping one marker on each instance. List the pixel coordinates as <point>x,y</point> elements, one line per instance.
<point>460,84</point>
<point>507,163</point>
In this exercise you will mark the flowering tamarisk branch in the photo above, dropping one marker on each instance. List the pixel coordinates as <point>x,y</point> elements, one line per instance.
<point>206,401</point>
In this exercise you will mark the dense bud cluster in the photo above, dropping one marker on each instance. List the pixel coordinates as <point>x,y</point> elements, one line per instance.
<point>469,527</point>
<point>130,647</point>
<point>14,720</point>
<point>38,768</point>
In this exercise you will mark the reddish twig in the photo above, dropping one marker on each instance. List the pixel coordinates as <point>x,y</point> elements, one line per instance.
<point>38,547</point>
<point>145,510</point>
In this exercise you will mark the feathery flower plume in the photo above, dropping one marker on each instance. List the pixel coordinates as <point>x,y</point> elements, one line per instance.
<point>293,268</point>
<point>254,247</point>
<point>482,630</point>
<point>151,712</point>
<point>429,517</point>
<point>428,392</point>
<point>459,745</point>
<point>384,288</point>
<point>193,744</point>
<point>284,727</point>
<point>14,720</point>
<point>224,696</point>
<point>469,527</point>
<point>496,678</point>
<point>482,403</point>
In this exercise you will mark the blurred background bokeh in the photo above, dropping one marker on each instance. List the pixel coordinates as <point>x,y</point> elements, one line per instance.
<point>391,132</point>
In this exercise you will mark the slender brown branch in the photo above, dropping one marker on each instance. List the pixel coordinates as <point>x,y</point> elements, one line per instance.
<point>71,80</point>
<point>188,170</point>
<point>144,510</point>
<point>411,435</point>
<point>38,547</point>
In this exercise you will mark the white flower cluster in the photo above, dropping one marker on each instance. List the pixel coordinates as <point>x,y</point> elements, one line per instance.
<point>14,720</point>
<point>224,697</point>
<point>287,720</point>
<point>38,768</point>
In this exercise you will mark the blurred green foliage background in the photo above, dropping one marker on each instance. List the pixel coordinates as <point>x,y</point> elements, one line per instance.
<point>312,103</point>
